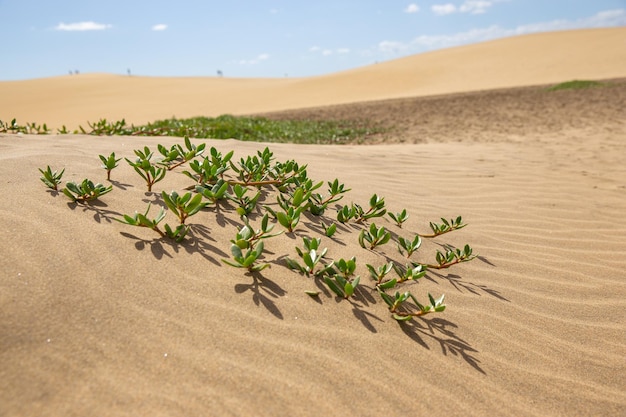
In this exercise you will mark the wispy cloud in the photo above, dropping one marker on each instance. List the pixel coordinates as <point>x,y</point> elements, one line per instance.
<point>159,27</point>
<point>328,51</point>
<point>82,26</point>
<point>469,6</point>
<point>412,8</point>
<point>608,18</point>
<point>259,58</point>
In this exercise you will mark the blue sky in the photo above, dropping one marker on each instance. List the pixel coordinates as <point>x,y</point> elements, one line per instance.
<point>264,38</point>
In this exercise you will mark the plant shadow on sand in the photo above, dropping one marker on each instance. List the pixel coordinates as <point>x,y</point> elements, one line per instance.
<point>264,292</point>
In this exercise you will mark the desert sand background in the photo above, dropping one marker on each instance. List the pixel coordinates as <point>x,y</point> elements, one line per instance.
<point>99,318</point>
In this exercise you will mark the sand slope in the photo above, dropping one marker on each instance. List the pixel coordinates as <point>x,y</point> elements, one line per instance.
<point>101,318</point>
<point>524,60</point>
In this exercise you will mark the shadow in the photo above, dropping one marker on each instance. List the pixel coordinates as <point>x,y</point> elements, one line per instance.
<point>263,292</point>
<point>98,208</point>
<point>53,193</point>
<point>461,286</point>
<point>155,245</point>
<point>485,260</point>
<point>120,185</point>
<point>365,317</point>
<point>439,330</point>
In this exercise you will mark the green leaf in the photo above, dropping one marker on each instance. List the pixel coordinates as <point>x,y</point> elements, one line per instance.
<point>331,284</point>
<point>399,317</point>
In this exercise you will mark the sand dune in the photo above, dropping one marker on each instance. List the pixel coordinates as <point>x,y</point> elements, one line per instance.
<point>524,60</point>
<point>100,318</point>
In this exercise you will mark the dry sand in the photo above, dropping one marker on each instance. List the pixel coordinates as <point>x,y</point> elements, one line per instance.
<point>99,318</point>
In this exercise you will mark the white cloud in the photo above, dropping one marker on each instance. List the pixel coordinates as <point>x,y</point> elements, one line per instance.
<point>159,27</point>
<point>468,6</point>
<point>328,51</point>
<point>259,58</point>
<point>608,18</point>
<point>443,9</point>
<point>412,8</point>
<point>82,26</point>
<point>475,7</point>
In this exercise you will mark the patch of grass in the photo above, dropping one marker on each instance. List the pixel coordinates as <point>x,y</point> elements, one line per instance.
<point>262,129</point>
<point>576,85</point>
<point>247,128</point>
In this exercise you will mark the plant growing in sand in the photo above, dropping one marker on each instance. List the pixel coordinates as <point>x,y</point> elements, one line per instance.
<point>247,260</point>
<point>214,193</point>
<point>85,191</point>
<point>183,206</point>
<point>52,179</point>
<point>375,236</point>
<point>311,256</point>
<point>445,227</point>
<point>356,211</point>
<point>399,218</point>
<point>142,220</point>
<point>409,246</point>
<point>245,203</point>
<point>177,155</point>
<point>253,179</point>
<point>402,310</point>
<point>145,168</point>
<point>109,163</point>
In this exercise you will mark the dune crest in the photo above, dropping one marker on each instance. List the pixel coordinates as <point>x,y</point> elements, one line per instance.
<point>516,61</point>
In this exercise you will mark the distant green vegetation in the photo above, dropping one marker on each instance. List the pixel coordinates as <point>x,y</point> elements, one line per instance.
<point>576,84</point>
<point>247,128</point>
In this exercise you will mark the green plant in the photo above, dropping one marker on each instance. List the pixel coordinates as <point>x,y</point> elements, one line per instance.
<point>329,231</point>
<point>346,213</point>
<point>356,211</point>
<point>312,258</point>
<point>104,128</point>
<point>318,203</point>
<point>292,205</point>
<point>452,256</point>
<point>215,192</point>
<point>576,84</point>
<point>341,286</point>
<point>109,163</point>
<point>183,206</point>
<point>401,310</point>
<point>51,178</point>
<point>399,218</point>
<point>177,155</point>
<point>379,274</point>
<point>410,272</point>
<point>375,236</point>
<point>144,167</point>
<point>85,191</point>
<point>446,227</point>
<point>409,246</point>
<point>142,220</point>
<point>247,237</point>
<point>211,169</point>
<point>245,203</point>
<point>376,209</point>
<point>247,260</point>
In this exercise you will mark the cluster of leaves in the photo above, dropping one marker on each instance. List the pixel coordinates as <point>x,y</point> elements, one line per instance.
<point>28,128</point>
<point>218,178</point>
<point>247,128</point>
